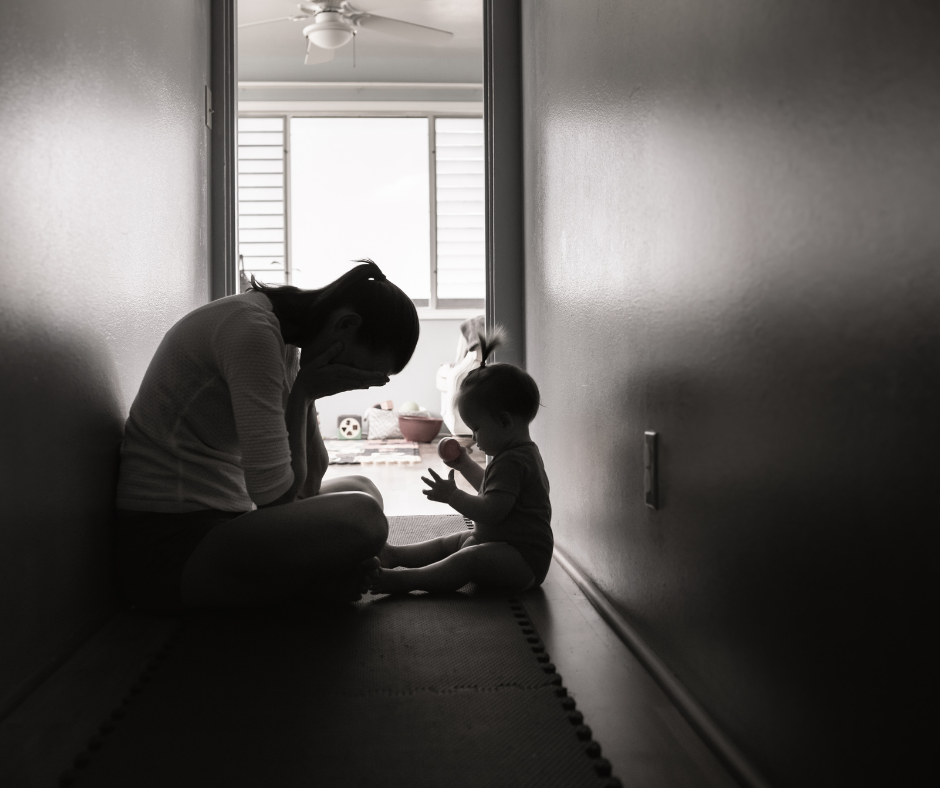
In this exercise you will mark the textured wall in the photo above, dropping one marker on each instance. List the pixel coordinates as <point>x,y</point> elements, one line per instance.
<point>103,245</point>
<point>733,240</point>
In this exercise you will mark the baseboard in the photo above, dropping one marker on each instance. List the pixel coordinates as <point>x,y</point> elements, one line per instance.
<point>40,738</point>
<point>13,698</point>
<point>697,717</point>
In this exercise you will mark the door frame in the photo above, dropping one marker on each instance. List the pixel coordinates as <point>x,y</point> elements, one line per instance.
<point>505,223</point>
<point>223,236</point>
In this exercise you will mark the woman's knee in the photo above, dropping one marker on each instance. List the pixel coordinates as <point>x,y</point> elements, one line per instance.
<point>367,486</point>
<point>353,484</point>
<point>365,514</point>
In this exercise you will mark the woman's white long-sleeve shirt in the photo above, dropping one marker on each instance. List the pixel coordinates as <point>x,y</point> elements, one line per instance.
<point>207,429</point>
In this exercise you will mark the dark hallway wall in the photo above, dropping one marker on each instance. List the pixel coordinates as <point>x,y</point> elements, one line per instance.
<point>103,245</point>
<point>733,240</point>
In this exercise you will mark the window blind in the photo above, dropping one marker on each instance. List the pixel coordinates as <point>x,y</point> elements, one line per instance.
<point>461,253</point>
<point>261,199</point>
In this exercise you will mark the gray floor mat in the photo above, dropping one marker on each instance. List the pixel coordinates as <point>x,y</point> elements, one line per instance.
<point>415,690</point>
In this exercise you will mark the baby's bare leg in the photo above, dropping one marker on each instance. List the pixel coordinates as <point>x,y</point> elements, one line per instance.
<point>422,553</point>
<point>493,564</point>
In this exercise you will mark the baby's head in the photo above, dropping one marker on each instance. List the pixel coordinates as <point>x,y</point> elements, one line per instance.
<point>497,401</point>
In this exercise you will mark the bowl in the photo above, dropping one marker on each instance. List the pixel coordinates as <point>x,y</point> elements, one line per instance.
<point>419,428</point>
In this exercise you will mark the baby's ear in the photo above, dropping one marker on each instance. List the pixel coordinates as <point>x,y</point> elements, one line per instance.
<point>505,419</point>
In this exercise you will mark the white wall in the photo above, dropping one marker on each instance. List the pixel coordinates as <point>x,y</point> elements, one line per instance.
<point>103,246</point>
<point>437,345</point>
<point>733,240</point>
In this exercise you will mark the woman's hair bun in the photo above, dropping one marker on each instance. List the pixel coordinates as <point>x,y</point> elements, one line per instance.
<point>489,341</point>
<point>371,270</point>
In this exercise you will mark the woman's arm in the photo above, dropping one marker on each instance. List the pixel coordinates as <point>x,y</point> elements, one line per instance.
<point>318,459</point>
<point>318,378</point>
<point>296,416</point>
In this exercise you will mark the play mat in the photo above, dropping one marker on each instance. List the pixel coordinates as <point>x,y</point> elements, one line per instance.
<point>366,452</point>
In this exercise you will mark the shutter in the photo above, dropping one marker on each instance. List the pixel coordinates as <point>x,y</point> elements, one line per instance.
<point>461,253</point>
<point>261,225</point>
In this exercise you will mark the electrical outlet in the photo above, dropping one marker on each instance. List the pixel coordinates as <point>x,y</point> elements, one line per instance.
<point>650,469</point>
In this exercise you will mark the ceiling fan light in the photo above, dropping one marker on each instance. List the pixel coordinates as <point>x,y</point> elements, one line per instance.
<point>330,31</point>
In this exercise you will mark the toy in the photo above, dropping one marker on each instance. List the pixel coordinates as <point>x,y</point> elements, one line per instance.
<point>350,428</point>
<point>448,449</point>
<point>408,407</point>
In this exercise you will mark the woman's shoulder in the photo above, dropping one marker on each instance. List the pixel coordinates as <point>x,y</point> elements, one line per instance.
<point>255,306</point>
<point>244,310</point>
<point>249,303</point>
<point>234,324</point>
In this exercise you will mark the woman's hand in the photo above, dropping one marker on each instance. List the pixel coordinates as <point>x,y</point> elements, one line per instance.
<point>320,378</point>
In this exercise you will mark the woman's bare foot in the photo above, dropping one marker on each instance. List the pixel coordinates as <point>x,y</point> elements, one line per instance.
<point>388,581</point>
<point>388,556</point>
<point>370,567</point>
<point>350,586</point>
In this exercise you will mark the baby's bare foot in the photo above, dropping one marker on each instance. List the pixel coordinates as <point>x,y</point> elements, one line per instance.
<point>388,557</point>
<point>388,582</point>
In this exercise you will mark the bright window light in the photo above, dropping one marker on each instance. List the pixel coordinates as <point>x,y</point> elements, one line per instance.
<point>359,188</point>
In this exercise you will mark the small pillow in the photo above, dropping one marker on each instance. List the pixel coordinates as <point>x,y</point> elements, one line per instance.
<point>382,424</point>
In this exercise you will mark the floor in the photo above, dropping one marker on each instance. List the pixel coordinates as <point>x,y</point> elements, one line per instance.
<point>641,732</point>
<point>643,735</point>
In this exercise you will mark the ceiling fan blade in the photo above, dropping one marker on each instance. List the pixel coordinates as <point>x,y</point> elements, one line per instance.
<point>316,55</point>
<point>294,18</point>
<point>419,34</point>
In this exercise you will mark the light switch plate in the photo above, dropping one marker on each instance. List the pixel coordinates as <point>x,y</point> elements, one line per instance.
<point>650,469</point>
<point>209,109</point>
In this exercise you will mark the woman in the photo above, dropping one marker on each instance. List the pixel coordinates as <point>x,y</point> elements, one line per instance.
<point>220,497</point>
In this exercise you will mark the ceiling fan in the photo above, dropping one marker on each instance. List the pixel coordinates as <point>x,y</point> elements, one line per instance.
<point>335,24</point>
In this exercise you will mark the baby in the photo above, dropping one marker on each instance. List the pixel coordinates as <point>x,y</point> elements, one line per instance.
<point>510,546</point>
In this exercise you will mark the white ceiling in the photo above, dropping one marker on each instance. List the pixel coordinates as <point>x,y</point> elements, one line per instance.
<point>276,51</point>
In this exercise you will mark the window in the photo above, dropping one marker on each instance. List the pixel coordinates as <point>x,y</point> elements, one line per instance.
<point>359,188</point>
<point>318,192</point>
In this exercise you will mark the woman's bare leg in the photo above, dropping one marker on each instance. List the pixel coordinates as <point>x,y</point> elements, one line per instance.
<point>287,553</point>
<point>352,484</point>
<point>422,553</point>
<point>493,564</point>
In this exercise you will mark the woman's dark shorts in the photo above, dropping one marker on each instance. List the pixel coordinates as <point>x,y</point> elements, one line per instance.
<point>151,550</point>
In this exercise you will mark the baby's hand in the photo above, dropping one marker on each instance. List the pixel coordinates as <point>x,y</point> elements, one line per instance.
<point>441,489</point>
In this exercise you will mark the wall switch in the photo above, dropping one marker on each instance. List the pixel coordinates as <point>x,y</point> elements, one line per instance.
<point>650,470</point>
<point>209,109</point>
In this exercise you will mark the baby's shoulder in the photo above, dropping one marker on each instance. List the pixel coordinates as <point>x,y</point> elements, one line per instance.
<point>525,455</point>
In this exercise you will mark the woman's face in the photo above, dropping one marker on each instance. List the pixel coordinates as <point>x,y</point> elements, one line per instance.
<point>359,356</point>
<point>342,328</point>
